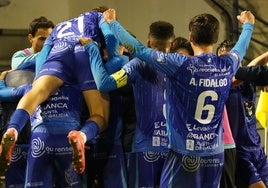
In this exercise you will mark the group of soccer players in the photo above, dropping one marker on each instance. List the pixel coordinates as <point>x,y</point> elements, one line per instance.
<point>178,138</point>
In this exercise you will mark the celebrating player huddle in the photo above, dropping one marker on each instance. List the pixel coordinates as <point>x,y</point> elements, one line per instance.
<point>75,105</point>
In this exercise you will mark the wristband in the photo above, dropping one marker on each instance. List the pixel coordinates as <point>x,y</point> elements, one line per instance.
<point>19,119</point>
<point>91,129</point>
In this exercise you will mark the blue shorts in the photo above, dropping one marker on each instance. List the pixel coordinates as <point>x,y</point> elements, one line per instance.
<point>106,164</point>
<point>69,63</point>
<point>50,162</point>
<point>144,169</point>
<point>15,175</point>
<point>183,171</point>
<point>252,167</point>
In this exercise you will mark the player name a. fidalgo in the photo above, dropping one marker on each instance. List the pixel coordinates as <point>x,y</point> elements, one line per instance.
<point>206,82</point>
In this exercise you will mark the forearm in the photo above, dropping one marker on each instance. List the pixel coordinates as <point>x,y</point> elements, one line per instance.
<point>133,45</point>
<point>260,60</point>
<point>104,81</point>
<point>243,42</point>
<point>9,93</point>
<point>29,65</point>
<point>42,56</point>
<point>256,74</point>
<point>112,45</point>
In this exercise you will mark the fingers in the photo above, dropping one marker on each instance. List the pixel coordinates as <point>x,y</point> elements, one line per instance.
<point>85,41</point>
<point>3,75</point>
<point>109,15</point>
<point>246,16</point>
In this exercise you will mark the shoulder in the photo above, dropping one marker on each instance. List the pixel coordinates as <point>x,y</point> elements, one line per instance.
<point>24,52</point>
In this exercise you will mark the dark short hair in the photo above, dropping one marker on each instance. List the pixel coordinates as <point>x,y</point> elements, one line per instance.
<point>161,30</point>
<point>101,9</point>
<point>204,29</point>
<point>181,43</point>
<point>227,44</point>
<point>41,22</point>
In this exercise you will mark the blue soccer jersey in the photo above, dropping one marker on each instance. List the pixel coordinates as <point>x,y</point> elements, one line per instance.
<point>252,162</point>
<point>150,141</point>
<point>149,93</point>
<point>197,88</point>
<point>241,113</point>
<point>85,25</point>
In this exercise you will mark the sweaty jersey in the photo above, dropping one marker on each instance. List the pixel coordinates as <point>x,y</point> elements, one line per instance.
<point>197,88</point>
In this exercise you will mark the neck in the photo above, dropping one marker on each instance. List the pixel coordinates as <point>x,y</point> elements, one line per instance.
<point>200,49</point>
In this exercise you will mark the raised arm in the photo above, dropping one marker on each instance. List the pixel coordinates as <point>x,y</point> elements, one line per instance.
<point>256,74</point>
<point>172,61</point>
<point>241,46</point>
<point>133,45</point>
<point>104,81</point>
<point>255,71</point>
<point>42,56</point>
<point>260,60</point>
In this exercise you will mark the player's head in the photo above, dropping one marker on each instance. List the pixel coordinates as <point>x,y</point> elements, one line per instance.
<point>160,37</point>
<point>182,46</point>
<point>39,29</point>
<point>224,47</point>
<point>204,29</point>
<point>101,9</point>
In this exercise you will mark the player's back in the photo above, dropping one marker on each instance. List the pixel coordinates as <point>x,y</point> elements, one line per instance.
<point>85,25</point>
<point>196,94</point>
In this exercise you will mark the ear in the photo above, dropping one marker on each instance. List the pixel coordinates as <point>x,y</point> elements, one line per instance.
<point>190,37</point>
<point>30,38</point>
<point>149,43</point>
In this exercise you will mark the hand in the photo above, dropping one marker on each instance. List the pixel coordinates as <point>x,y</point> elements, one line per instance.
<point>109,15</point>
<point>3,75</point>
<point>246,16</point>
<point>84,41</point>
